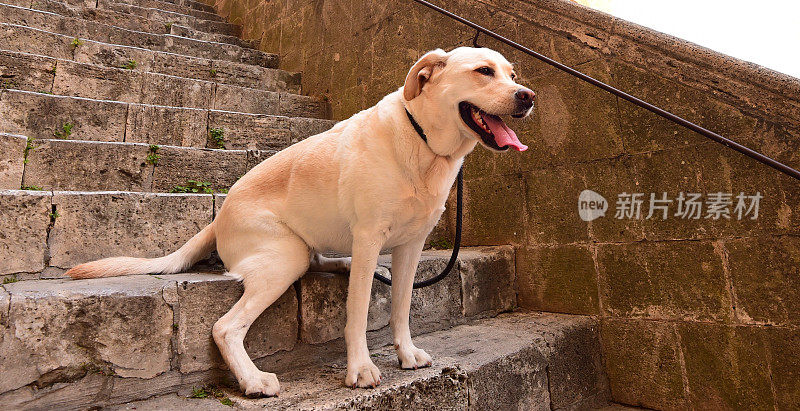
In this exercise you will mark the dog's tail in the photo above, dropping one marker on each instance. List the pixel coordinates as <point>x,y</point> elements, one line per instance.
<point>195,249</point>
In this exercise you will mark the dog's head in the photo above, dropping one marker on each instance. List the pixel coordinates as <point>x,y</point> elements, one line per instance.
<point>471,88</point>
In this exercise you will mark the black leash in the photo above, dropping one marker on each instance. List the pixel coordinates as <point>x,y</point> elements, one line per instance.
<point>459,209</point>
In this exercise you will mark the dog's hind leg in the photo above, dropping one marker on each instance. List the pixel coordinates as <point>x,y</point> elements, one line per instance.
<point>329,264</point>
<point>275,264</point>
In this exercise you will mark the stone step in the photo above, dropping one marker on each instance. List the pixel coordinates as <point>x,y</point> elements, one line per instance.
<point>191,8</point>
<point>179,27</point>
<point>145,335</point>
<point>112,15</point>
<point>184,31</point>
<point>22,71</point>
<point>19,39</point>
<point>86,32</point>
<point>129,16</point>
<point>70,165</point>
<point>180,6</point>
<point>521,360</point>
<point>515,361</point>
<point>45,116</point>
<point>167,12</point>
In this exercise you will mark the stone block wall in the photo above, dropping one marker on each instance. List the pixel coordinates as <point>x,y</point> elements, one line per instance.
<point>694,313</point>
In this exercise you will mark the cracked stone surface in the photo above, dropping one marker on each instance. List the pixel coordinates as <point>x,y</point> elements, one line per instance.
<point>69,328</point>
<point>25,217</point>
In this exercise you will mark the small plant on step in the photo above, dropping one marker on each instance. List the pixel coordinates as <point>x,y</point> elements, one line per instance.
<point>441,244</point>
<point>211,392</point>
<point>152,155</point>
<point>6,83</point>
<point>76,42</point>
<point>65,132</point>
<point>218,136</point>
<point>31,188</point>
<point>130,65</point>
<point>168,26</point>
<point>10,279</point>
<point>28,148</point>
<point>194,186</point>
<point>54,214</point>
<point>213,72</point>
<point>53,70</point>
<point>198,393</point>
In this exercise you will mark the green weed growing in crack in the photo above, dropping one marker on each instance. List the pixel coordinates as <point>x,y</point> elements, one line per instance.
<point>152,155</point>
<point>213,72</point>
<point>211,392</point>
<point>130,65</point>
<point>10,279</point>
<point>7,83</point>
<point>168,26</point>
<point>65,132</point>
<point>31,188</point>
<point>441,244</point>
<point>28,148</point>
<point>53,70</point>
<point>90,368</point>
<point>194,187</point>
<point>218,136</point>
<point>76,42</point>
<point>54,214</point>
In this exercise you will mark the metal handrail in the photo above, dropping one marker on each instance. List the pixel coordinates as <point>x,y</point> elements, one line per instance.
<point>619,93</point>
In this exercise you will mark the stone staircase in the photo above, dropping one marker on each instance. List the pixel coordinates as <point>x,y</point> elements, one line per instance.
<point>122,124</point>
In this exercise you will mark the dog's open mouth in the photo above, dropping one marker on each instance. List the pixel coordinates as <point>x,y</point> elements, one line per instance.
<point>491,128</point>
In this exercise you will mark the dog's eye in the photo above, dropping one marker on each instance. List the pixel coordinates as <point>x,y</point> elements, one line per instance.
<point>486,71</point>
<point>513,76</point>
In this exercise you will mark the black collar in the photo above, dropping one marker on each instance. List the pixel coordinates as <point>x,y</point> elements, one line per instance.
<point>417,126</point>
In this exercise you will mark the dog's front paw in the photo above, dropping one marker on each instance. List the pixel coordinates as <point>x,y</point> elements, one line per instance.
<point>262,384</point>
<point>363,374</point>
<point>411,358</point>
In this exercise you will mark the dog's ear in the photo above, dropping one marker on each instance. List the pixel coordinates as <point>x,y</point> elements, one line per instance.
<point>421,72</point>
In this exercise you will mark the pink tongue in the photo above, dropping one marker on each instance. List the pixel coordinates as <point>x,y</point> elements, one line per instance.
<point>503,135</point>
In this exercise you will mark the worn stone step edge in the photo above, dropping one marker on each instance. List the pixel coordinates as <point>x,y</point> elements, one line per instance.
<point>515,361</point>
<point>205,12</point>
<point>70,165</point>
<point>520,360</point>
<point>184,31</point>
<point>180,27</point>
<point>42,74</point>
<point>130,16</point>
<point>45,116</point>
<point>113,17</point>
<point>39,42</point>
<point>168,10</point>
<point>165,335</point>
<point>84,31</point>
<point>187,5</point>
<point>96,18</point>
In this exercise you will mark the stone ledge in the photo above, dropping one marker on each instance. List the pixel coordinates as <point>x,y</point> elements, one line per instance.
<point>30,72</point>
<point>93,32</point>
<point>130,330</point>
<point>499,363</point>
<point>44,116</point>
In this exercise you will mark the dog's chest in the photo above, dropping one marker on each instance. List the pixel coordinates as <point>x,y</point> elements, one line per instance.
<point>416,216</point>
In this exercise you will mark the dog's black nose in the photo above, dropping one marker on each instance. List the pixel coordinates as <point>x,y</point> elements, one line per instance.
<point>525,95</point>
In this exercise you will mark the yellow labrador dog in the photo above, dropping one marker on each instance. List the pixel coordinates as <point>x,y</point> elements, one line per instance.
<point>372,182</point>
